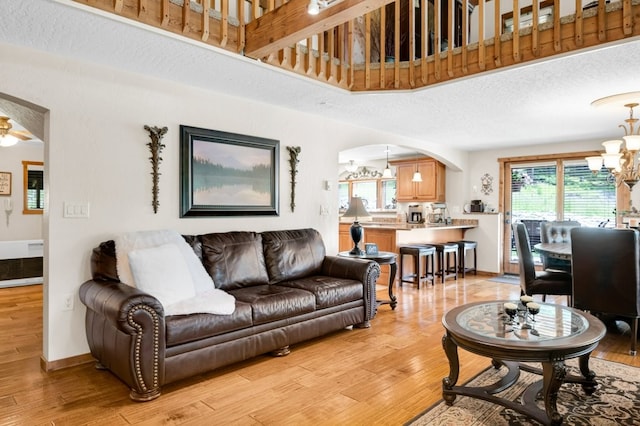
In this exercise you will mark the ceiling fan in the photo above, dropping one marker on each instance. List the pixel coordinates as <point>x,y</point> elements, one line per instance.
<point>10,137</point>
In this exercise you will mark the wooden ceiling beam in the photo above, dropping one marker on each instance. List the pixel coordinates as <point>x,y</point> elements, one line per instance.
<point>290,23</point>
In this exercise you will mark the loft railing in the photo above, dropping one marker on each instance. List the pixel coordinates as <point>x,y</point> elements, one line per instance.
<point>405,44</point>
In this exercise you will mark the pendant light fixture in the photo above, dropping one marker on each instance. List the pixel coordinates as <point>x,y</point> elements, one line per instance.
<point>313,8</point>
<point>621,157</point>
<point>386,174</point>
<point>417,176</point>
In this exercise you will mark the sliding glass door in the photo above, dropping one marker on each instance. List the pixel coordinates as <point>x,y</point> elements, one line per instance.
<point>558,189</point>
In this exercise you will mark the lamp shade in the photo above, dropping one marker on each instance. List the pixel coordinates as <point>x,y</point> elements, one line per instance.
<point>356,209</point>
<point>386,174</point>
<point>611,161</point>
<point>595,163</point>
<point>612,147</point>
<point>632,142</point>
<point>417,177</point>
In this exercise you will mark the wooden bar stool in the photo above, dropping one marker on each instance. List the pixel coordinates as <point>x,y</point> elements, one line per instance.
<point>463,247</point>
<point>422,254</point>
<point>445,251</point>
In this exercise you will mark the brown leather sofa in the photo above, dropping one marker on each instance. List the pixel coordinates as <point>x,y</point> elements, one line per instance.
<point>287,291</point>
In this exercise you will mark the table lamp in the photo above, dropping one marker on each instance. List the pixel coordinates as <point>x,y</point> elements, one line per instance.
<point>356,209</point>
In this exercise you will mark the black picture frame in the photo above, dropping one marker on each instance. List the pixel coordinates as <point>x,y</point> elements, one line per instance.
<point>227,174</point>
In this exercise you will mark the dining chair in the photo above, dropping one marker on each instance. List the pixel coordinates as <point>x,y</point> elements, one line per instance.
<point>556,231</point>
<point>606,274</point>
<point>534,282</point>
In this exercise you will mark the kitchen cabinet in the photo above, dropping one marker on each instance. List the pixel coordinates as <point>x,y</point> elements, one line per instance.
<point>432,187</point>
<point>345,243</point>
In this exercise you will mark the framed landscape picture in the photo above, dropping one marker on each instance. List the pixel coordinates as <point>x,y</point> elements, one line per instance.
<point>227,174</point>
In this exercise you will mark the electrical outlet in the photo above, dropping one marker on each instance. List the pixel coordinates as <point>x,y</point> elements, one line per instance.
<point>67,304</point>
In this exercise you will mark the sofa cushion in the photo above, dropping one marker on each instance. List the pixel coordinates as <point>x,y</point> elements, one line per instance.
<point>273,302</point>
<point>292,254</point>
<point>188,328</point>
<point>234,259</point>
<point>328,291</point>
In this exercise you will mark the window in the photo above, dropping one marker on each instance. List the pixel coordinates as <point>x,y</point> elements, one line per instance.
<point>376,194</point>
<point>562,189</point>
<point>590,199</point>
<point>33,175</point>
<point>368,191</point>
<point>388,194</point>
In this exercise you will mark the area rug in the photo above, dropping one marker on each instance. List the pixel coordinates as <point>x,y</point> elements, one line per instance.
<point>616,401</point>
<point>508,279</point>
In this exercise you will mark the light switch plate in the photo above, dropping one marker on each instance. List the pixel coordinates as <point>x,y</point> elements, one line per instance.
<point>76,210</point>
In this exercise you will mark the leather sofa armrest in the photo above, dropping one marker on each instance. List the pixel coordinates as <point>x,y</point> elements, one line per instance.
<point>126,334</point>
<point>116,301</point>
<point>365,271</point>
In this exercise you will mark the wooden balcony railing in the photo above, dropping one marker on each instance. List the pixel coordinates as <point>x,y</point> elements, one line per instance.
<point>372,45</point>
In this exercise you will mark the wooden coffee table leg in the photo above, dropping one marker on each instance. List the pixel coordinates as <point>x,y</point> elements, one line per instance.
<point>451,350</point>
<point>589,385</point>
<point>553,374</point>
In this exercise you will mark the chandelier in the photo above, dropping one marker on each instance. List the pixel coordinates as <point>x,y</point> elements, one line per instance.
<point>620,156</point>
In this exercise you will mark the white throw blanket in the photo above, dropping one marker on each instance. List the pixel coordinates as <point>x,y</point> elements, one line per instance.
<point>207,298</point>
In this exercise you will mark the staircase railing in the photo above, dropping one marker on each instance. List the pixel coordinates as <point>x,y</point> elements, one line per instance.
<point>406,44</point>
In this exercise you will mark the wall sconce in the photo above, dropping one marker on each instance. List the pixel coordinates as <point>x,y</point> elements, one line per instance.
<point>294,152</point>
<point>155,146</point>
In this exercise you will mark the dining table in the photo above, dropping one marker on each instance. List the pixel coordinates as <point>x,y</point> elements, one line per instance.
<point>561,251</point>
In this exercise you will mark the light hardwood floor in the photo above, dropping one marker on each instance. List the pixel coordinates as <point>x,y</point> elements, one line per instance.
<point>384,375</point>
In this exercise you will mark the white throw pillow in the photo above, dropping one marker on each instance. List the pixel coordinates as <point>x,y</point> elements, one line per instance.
<point>163,273</point>
<point>145,239</point>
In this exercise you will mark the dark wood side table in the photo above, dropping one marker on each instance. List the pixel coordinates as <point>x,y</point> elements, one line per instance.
<point>558,333</point>
<point>382,258</point>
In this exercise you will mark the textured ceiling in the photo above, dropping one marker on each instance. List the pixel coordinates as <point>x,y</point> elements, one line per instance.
<point>538,103</point>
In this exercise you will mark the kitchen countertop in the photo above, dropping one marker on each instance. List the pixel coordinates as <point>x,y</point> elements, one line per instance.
<point>410,226</point>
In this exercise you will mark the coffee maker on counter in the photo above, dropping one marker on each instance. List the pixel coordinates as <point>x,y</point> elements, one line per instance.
<point>477,206</point>
<point>415,214</point>
<point>437,214</point>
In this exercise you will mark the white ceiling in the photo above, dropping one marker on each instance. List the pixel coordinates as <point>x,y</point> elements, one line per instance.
<point>539,103</point>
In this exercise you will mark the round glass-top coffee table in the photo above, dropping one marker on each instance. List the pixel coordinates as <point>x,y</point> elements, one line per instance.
<point>555,334</point>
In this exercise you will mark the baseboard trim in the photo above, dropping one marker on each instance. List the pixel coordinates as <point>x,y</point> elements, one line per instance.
<point>59,364</point>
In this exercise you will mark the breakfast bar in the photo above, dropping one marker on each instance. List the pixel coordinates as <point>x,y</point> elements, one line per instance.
<point>389,236</point>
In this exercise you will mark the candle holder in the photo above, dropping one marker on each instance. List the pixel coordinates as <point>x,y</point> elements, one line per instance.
<point>511,309</point>
<point>533,309</point>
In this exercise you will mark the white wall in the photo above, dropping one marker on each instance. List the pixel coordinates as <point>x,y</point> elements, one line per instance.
<point>96,153</point>
<point>20,226</point>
